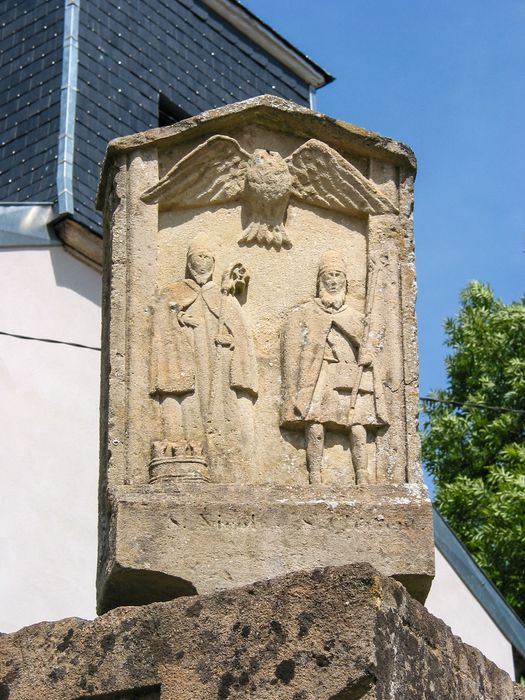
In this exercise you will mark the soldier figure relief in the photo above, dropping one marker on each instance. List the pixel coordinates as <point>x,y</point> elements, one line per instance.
<point>329,379</point>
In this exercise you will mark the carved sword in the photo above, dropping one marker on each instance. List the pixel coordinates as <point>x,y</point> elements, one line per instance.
<point>373,273</point>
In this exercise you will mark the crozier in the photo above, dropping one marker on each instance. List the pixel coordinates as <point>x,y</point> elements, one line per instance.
<point>259,357</point>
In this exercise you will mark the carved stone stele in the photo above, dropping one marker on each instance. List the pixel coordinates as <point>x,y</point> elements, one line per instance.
<point>260,386</point>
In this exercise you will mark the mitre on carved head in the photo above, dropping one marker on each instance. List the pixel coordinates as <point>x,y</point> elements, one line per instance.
<point>332,261</point>
<point>200,245</point>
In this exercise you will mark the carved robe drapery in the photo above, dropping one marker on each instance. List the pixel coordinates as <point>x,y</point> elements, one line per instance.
<point>198,382</point>
<point>319,354</point>
<point>182,351</point>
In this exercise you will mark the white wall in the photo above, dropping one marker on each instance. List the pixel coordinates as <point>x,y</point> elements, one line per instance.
<point>49,446</point>
<point>450,600</point>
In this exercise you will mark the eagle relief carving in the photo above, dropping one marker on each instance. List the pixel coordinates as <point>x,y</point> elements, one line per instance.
<point>220,171</point>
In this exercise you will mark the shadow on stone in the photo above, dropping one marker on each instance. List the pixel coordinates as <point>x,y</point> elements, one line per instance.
<point>149,693</point>
<point>358,690</point>
<point>141,587</point>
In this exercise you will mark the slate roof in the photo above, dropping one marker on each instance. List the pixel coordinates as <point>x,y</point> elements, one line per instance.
<point>129,52</point>
<point>30,73</point>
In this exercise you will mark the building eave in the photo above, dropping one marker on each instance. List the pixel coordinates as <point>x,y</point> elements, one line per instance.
<point>26,225</point>
<point>273,43</point>
<point>79,241</point>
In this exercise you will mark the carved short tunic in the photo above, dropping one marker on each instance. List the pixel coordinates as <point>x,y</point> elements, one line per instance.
<point>319,356</point>
<point>332,394</point>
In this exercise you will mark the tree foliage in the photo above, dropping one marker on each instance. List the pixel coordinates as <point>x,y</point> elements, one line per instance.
<point>477,455</point>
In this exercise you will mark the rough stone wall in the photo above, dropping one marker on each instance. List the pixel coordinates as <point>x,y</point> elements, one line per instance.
<point>328,634</point>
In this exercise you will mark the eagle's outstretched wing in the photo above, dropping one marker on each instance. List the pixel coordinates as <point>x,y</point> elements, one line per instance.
<point>324,178</point>
<point>213,173</point>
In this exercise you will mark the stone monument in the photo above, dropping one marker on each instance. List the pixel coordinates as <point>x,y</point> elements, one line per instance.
<point>260,373</point>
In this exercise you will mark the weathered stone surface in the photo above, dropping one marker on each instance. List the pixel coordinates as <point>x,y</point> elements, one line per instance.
<point>338,633</point>
<point>197,540</point>
<point>259,331</point>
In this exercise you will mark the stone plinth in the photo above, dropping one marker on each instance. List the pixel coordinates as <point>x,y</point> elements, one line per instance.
<point>197,540</point>
<point>259,354</point>
<point>329,633</point>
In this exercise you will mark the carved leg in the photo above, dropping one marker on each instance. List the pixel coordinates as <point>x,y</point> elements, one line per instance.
<point>359,454</point>
<point>314,451</point>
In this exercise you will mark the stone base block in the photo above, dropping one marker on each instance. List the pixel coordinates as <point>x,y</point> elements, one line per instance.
<point>200,538</point>
<point>329,634</point>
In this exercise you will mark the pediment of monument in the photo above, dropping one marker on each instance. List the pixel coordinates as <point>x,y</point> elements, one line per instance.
<point>273,113</point>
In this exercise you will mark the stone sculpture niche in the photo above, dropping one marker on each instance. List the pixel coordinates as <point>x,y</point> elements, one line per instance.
<point>260,400</point>
<point>221,171</point>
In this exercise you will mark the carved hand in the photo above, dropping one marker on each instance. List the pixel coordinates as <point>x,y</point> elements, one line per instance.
<point>187,320</point>
<point>225,341</point>
<point>366,358</point>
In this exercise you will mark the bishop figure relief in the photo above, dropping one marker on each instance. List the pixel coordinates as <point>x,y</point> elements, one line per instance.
<point>204,364</point>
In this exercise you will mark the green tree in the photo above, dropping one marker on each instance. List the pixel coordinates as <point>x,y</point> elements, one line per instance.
<point>474,450</point>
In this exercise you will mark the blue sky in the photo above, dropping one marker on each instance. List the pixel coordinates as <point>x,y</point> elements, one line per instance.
<point>448,79</point>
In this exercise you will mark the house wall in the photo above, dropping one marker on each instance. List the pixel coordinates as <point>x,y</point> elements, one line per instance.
<point>129,52</point>
<point>49,445</point>
<point>451,600</point>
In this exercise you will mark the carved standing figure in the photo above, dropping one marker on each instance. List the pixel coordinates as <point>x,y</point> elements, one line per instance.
<point>329,380</point>
<point>204,363</point>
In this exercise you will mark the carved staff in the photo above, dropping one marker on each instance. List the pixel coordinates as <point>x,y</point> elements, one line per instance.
<point>373,274</point>
<point>234,281</point>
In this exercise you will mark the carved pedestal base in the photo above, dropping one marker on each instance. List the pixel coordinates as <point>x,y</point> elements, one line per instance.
<point>173,469</point>
<point>206,537</point>
<point>175,462</point>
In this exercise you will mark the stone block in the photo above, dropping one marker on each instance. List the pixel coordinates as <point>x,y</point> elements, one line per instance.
<point>197,540</point>
<point>337,633</point>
